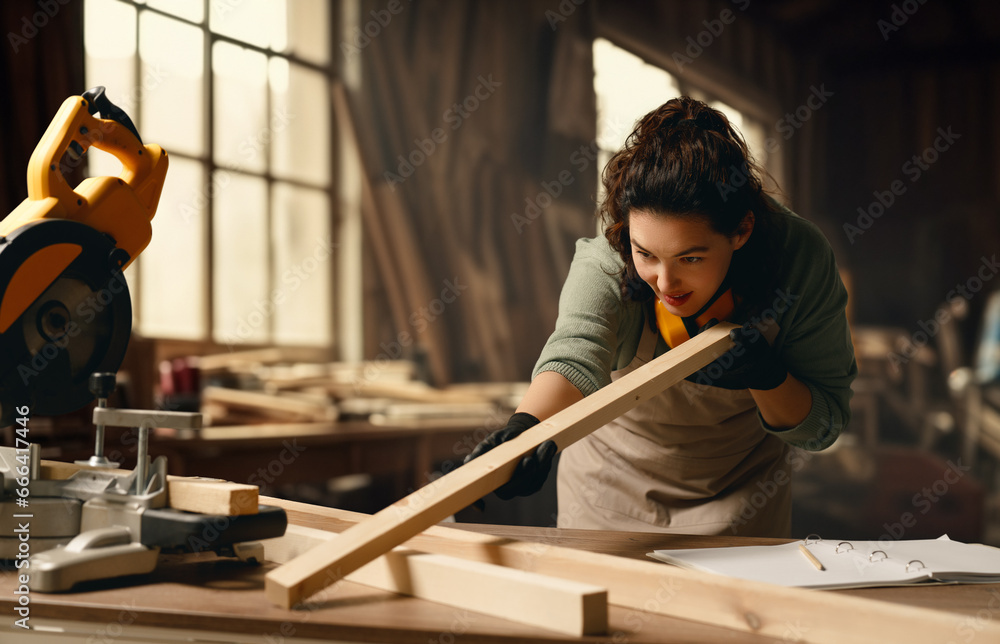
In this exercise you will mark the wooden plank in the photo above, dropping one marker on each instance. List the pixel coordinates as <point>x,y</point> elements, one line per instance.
<point>871,616</point>
<point>211,496</point>
<point>569,607</point>
<point>311,572</point>
<point>254,358</point>
<point>206,496</point>
<point>414,391</point>
<point>283,406</point>
<point>373,220</point>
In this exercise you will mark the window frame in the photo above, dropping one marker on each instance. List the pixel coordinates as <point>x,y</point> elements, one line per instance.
<point>208,341</point>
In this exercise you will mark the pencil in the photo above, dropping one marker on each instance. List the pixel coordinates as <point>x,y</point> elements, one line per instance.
<point>811,557</point>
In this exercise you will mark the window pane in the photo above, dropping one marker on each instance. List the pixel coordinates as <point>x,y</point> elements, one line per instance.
<point>240,117</point>
<point>242,308</point>
<point>303,266</point>
<point>193,10</point>
<point>300,123</point>
<point>308,31</point>
<point>627,88</point>
<point>172,71</point>
<point>172,270</point>
<point>108,30</point>
<point>258,22</point>
<point>109,40</point>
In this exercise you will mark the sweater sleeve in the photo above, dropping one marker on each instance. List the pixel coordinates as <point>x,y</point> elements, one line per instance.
<point>586,344</point>
<point>814,340</point>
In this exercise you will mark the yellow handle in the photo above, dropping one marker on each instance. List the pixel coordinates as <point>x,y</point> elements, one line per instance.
<point>73,130</point>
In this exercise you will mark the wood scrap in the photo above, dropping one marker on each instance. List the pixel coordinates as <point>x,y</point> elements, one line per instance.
<point>569,607</point>
<point>640,586</point>
<point>211,496</point>
<point>307,574</point>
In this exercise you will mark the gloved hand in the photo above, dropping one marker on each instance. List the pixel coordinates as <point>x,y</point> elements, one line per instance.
<point>531,472</point>
<point>750,364</point>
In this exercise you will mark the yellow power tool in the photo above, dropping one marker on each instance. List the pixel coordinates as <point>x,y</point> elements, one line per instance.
<point>65,309</point>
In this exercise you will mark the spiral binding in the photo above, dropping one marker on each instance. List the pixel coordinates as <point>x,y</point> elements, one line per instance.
<point>875,556</point>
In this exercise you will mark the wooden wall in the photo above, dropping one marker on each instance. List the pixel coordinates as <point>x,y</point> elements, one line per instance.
<point>472,111</point>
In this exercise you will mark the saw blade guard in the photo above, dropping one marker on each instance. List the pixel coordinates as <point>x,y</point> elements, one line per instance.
<point>80,324</point>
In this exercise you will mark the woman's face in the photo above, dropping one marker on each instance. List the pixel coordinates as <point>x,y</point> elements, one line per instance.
<point>681,258</point>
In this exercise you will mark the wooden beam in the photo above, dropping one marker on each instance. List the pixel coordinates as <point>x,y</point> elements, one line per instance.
<point>206,496</point>
<point>566,606</point>
<point>777,613</point>
<point>211,496</point>
<point>313,571</point>
<point>282,406</point>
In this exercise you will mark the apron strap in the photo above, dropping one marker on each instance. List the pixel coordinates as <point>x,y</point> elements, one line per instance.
<point>647,344</point>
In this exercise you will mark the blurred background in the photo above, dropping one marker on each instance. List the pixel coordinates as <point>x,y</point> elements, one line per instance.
<point>372,204</point>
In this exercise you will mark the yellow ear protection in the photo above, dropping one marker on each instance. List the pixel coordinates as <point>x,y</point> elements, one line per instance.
<point>676,330</point>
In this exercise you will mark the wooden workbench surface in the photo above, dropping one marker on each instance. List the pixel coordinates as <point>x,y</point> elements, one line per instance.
<point>204,593</point>
<point>208,594</point>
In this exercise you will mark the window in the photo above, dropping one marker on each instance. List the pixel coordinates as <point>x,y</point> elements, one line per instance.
<point>242,240</point>
<point>628,87</point>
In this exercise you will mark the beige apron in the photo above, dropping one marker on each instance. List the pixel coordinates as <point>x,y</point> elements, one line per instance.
<point>693,460</point>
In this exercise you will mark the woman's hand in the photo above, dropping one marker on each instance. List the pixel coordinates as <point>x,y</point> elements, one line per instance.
<point>782,400</point>
<point>533,468</point>
<point>750,364</point>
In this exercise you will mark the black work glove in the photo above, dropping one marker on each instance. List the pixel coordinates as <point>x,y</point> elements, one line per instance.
<point>750,364</point>
<point>531,472</point>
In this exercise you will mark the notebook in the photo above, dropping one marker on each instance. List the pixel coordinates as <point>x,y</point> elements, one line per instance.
<point>847,564</point>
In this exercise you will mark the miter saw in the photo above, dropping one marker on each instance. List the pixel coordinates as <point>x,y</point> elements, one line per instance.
<point>65,323</point>
<point>65,311</point>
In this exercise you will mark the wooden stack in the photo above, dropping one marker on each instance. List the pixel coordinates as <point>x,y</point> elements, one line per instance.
<point>382,392</point>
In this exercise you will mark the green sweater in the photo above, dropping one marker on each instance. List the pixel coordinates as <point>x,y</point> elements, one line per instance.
<point>597,332</point>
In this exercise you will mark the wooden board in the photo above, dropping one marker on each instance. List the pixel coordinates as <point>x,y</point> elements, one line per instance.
<point>287,407</point>
<point>211,496</point>
<point>206,496</point>
<point>327,563</point>
<point>868,616</point>
<point>569,607</point>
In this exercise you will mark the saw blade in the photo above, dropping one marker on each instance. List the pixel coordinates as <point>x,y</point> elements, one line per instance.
<point>69,332</point>
<point>79,325</point>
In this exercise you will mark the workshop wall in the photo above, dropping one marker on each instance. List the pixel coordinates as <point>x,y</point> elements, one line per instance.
<point>482,120</point>
<point>911,160</point>
<point>874,87</point>
<point>496,200</point>
<point>41,63</point>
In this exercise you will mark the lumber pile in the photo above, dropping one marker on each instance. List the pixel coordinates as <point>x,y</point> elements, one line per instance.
<point>263,386</point>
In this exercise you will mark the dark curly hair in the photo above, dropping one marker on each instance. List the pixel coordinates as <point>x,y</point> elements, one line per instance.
<point>685,159</point>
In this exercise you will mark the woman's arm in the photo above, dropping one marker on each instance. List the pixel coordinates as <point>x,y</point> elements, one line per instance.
<point>785,406</point>
<point>548,394</point>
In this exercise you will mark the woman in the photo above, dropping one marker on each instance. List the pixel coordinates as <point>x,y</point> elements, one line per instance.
<point>691,239</point>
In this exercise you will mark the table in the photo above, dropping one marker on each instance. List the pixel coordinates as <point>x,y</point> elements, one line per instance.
<point>218,600</point>
<point>268,455</point>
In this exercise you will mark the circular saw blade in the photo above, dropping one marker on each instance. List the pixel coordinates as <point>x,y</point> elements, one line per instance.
<point>80,324</point>
<point>71,331</point>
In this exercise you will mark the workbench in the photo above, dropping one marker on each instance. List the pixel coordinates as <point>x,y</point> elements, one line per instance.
<point>204,598</point>
<point>275,454</point>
